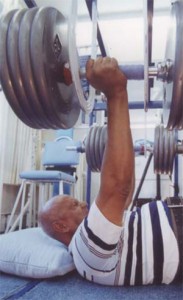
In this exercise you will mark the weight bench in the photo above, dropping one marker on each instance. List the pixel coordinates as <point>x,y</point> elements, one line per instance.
<point>29,200</point>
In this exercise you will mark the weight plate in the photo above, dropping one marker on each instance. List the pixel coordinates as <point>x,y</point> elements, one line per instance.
<point>14,67</point>
<point>57,55</point>
<point>86,104</point>
<point>38,59</point>
<point>26,71</point>
<point>89,154</point>
<point>173,99</point>
<point>101,144</point>
<point>166,158</point>
<point>172,145</point>
<point>48,48</point>
<point>92,139</point>
<point>156,150</point>
<point>4,70</point>
<point>92,149</point>
<point>87,150</point>
<point>97,148</point>
<point>103,140</point>
<point>99,162</point>
<point>161,150</point>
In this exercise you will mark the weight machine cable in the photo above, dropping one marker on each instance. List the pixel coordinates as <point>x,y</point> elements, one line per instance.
<point>30,3</point>
<point>134,203</point>
<point>99,36</point>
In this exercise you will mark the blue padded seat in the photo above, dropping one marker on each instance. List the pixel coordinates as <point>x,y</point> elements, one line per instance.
<point>47,176</point>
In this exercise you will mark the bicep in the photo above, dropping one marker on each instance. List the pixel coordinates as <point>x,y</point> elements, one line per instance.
<point>113,198</point>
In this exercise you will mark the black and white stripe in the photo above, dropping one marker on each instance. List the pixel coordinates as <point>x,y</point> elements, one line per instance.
<point>146,252</point>
<point>93,237</point>
<point>147,246</point>
<point>92,249</point>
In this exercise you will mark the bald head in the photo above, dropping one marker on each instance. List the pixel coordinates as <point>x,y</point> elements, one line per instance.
<point>61,216</point>
<point>54,206</point>
<point>52,212</point>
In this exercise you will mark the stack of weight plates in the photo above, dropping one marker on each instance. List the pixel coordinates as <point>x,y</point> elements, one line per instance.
<point>164,150</point>
<point>33,50</point>
<point>94,148</point>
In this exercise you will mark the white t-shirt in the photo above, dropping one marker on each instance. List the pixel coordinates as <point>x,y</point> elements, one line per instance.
<point>143,251</point>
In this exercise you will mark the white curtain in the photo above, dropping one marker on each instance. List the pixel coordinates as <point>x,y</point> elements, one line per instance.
<point>19,144</point>
<point>11,4</point>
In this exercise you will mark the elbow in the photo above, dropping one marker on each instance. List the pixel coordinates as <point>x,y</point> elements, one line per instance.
<point>125,190</point>
<point>124,186</point>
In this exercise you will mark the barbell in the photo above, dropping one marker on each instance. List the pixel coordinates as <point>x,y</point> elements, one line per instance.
<point>164,148</point>
<point>37,77</point>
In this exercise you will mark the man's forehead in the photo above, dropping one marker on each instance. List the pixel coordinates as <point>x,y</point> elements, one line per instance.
<point>66,200</point>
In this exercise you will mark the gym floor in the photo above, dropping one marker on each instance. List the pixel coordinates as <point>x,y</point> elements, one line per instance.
<point>72,286</point>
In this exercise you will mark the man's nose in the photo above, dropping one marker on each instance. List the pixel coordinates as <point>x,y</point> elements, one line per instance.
<point>83,204</point>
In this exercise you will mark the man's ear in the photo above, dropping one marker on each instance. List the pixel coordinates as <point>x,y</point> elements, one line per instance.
<point>60,227</point>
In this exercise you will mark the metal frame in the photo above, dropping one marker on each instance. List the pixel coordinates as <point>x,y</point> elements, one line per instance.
<point>132,105</point>
<point>99,36</point>
<point>30,3</point>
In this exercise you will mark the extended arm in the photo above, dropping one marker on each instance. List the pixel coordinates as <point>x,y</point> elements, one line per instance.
<point>118,162</point>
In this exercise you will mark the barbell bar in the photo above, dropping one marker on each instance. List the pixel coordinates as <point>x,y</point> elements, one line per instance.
<point>163,71</point>
<point>164,148</point>
<point>42,92</point>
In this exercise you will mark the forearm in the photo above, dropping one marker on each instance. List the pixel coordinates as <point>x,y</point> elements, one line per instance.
<point>118,162</point>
